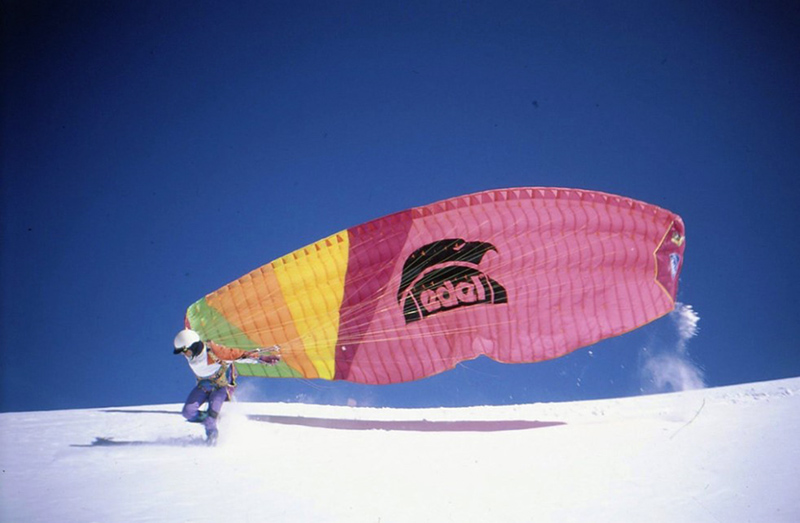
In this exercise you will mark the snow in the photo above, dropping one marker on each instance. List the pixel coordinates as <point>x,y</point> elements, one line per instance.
<point>726,454</point>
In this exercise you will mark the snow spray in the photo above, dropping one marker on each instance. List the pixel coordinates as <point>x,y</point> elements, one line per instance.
<point>667,367</point>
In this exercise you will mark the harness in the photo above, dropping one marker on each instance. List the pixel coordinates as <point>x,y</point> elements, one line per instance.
<point>224,377</point>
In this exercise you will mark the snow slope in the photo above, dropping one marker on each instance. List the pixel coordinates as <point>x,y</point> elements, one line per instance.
<point>727,454</point>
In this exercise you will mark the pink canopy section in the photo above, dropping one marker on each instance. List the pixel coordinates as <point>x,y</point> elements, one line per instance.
<point>520,275</point>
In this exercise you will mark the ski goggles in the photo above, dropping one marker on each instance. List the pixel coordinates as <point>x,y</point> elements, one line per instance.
<point>194,348</point>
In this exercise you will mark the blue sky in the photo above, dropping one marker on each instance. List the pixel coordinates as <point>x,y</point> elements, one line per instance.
<point>154,151</point>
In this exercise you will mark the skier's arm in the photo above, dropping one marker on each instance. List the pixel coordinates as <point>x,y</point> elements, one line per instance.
<point>226,353</point>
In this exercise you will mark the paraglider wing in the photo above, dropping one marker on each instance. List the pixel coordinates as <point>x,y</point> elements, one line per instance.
<point>519,275</point>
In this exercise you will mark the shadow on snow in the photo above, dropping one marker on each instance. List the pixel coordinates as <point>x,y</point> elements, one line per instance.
<point>421,425</point>
<point>410,425</point>
<point>167,442</point>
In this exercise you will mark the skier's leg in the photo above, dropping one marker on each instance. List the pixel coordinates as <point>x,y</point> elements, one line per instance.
<point>191,409</point>
<point>215,401</point>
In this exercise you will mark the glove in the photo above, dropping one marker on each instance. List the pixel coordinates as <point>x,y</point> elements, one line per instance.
<point>269,356</point>
<point>271,359</point>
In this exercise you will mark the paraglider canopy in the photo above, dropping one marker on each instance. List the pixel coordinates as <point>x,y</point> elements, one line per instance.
<point>519,275</point>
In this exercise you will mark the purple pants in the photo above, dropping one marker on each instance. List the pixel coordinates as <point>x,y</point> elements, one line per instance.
<point>199,396</point>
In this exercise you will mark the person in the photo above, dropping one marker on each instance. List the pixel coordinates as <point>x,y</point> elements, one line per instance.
<point>211,364</point>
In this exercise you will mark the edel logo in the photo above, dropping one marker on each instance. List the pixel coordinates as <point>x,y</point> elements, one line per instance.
<point>444,275</point>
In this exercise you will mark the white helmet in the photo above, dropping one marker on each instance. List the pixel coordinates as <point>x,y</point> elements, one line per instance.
<point>185,339</point>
